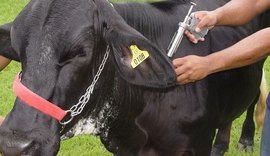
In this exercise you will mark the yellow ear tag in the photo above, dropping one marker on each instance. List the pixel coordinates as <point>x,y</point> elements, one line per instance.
<point>138,56</point>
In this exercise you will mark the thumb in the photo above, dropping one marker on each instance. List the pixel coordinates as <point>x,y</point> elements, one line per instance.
<point>202,24</point>
<point>206,19</point>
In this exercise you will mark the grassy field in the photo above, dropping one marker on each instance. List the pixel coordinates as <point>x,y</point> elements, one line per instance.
<point>86,145</point>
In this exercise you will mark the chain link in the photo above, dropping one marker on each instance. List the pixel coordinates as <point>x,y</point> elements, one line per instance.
<point>78,108</point>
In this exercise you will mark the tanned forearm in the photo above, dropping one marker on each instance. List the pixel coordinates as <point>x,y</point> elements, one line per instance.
<point>245,52</point>
<point>3,62</point>
<point>238,12</point>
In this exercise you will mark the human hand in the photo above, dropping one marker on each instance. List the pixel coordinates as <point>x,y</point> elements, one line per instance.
<point>191,68</point>
<point>207,19</point>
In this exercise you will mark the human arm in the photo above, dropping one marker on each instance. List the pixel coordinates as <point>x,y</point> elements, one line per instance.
<point>247,51</point>
<point>233,13</point>
<point>4,62</point>
<point>1,120</point>
<point>239,12</point>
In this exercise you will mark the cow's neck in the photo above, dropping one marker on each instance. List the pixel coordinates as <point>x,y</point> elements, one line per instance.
<point>156,21</point>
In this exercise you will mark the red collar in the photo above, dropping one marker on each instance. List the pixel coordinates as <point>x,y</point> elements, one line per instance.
<point>36,101</point>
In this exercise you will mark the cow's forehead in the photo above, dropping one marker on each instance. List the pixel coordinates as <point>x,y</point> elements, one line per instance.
<point>63,14</point>
<point>60,22</point>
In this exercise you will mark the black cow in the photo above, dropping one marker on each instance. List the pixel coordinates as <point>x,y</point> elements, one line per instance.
<point>246,140</point>
<point>138,110</point>
<point>222,138</point>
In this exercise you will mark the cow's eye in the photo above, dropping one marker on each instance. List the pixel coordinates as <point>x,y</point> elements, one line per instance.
<point>79,52</point>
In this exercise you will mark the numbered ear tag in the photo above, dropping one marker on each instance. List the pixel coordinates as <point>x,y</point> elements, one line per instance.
<point>138,56</point>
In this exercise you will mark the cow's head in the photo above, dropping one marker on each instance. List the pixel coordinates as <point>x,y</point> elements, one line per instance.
<point>59,44</point>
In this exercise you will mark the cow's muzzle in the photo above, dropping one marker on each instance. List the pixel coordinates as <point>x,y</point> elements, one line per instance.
<point>14,144</point>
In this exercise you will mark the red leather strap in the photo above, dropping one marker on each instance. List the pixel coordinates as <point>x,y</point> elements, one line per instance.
<point>36,101</point>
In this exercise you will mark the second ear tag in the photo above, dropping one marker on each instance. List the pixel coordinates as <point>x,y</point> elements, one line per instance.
<point>138,56</point>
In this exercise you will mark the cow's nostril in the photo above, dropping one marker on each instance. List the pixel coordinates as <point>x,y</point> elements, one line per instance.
<point>25,145</point>
<point>11,148</point>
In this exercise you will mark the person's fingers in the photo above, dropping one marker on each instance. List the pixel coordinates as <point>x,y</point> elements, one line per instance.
<point>183,79</point>
<point>178,62</point>
<point>207,19</point>
<point>191,37</point>
<point>182,74</point>
<point>200,14</point>
<point>175,62</point>
<point>179,70</point>
<point>203,23</point>
<point>183,82</point>
<point>201,39</point>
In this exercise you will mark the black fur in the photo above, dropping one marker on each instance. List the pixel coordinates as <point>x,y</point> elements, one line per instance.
<point>138,112</point>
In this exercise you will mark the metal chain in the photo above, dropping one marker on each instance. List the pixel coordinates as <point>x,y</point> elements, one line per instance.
<point>78,108</point>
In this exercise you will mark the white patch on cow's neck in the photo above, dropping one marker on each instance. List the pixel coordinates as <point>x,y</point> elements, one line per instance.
<point>83,126</point>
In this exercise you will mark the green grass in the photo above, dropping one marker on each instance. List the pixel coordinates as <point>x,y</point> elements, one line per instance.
<point>87,145</point>
<point>9,9</point>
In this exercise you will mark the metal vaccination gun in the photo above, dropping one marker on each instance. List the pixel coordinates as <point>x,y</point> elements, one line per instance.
<point>190,23</point>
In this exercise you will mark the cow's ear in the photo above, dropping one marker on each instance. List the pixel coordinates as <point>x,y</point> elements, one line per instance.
<point>6,49</point>
<point>138,61</point>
